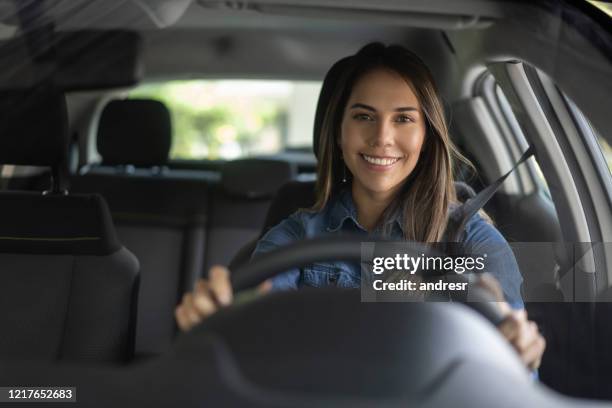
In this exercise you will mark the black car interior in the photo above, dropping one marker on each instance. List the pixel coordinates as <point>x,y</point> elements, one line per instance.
<point>97,256</point>
<point>179,222</point>
<point>64,271</point>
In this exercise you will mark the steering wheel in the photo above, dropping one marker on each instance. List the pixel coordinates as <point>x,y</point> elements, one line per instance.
<point>347,248</point>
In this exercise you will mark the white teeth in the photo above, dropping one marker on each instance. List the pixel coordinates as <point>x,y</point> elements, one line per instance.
<point>380,161</point>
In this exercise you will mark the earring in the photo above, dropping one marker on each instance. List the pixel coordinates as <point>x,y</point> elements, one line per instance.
<point>343,172</point>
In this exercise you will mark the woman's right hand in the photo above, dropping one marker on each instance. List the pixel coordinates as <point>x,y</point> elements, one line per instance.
<point>207,297</point>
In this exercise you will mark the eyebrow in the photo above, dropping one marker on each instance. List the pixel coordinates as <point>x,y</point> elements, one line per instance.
<point>370,108</point>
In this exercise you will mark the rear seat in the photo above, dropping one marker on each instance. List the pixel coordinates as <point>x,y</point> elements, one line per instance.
<point>160,217</point>
<point>177,222</point>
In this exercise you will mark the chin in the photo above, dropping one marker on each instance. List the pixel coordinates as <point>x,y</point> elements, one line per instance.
<point>379,188</point>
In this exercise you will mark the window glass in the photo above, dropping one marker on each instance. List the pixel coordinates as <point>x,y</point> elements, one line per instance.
<point>606,7</point>
<point>510,119</point>
<point>586,128</point>
<point>227,119</point>
<point>509,116</point>
<point>606,150</point>
<point>604,146</point>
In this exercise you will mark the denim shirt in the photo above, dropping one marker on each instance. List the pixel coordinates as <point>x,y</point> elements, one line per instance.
<point>340,216</point>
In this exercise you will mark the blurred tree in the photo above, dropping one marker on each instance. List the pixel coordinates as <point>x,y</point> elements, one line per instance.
<point>204,128</point>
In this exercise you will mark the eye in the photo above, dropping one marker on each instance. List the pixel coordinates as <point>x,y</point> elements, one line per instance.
<point>363,117</point>
<point>404,119</point>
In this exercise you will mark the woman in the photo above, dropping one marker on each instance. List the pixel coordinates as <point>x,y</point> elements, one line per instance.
<point>386,168</point>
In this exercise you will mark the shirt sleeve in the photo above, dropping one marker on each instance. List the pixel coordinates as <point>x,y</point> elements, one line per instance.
<point>484,239</point>
<point>286,232</point>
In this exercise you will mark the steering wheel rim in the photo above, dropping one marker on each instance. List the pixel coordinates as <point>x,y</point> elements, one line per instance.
<point>347,248</point>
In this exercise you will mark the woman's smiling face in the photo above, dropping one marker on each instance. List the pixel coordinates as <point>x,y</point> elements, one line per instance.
<point>382,132</point>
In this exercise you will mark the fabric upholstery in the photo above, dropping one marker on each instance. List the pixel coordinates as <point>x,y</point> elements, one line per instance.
<point>148,200</point>
<point>136,132</point>
<point>33,223</point>
<point>65,307</point>
<point>33,127</point>
<point>234,221</point>
<point>67,286</point>
<point>162,220</point>
<point>256,178</point>
<point>239,206</point>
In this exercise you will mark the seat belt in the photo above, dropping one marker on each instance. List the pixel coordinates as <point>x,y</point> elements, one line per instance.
<point>459,218</point>
<point>462,214</point>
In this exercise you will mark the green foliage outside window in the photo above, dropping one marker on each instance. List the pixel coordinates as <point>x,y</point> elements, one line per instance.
<point>205,127</point>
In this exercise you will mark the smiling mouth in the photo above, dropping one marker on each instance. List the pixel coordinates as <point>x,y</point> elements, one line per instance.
<point>380,161</point>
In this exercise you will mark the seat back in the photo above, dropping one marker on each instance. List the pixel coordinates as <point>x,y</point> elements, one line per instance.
<point>159,215</point>
<point>68,287</point>
<point>239,204</point>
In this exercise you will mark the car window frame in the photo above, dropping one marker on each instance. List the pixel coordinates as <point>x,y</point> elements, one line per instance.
<point>514,141</point>
<point>533,111</point>
<point>588,170</point>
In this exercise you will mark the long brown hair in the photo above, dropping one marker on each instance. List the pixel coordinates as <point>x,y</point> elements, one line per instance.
<point>427,192</point>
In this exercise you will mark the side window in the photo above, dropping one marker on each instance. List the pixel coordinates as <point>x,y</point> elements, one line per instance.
<point>520,136</point>
<point>529,175</point>
<point>227,119</point>
<point>604,151</point>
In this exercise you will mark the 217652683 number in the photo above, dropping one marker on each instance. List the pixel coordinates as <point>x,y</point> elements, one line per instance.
<point>48,394</point>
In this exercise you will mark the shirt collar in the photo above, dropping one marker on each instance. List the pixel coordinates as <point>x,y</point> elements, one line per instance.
<point>342,210</point>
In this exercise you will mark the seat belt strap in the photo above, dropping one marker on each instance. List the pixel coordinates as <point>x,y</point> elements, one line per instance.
<point>467,210</point>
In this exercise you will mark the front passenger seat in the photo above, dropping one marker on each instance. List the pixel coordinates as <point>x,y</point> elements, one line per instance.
<point>67,285</point>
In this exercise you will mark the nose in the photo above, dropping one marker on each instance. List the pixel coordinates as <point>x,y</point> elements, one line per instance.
<point>382,135</point>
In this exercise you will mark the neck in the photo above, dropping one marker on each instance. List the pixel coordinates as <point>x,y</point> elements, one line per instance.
<point>370,205</point>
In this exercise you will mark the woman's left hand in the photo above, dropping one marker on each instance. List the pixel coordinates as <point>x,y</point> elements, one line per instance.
<point>522,333</point>
<point>524,336</point>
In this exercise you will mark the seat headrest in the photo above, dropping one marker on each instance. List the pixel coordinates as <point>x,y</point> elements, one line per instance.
<point>329,83</point>
<point>76,224</point>
<point>464,191</point>
<point>33,127</point>
<point>290,197</point>
<point>256,178</point>
<point>136,132</point>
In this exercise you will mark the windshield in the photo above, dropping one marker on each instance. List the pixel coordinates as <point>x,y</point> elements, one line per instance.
<point>603,6</point>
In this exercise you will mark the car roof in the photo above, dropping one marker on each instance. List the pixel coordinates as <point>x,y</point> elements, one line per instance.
<point>300,39</point>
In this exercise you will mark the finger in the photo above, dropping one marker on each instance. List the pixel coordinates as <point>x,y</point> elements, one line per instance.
<point>510,328</point>
<point>181,319</point>
<point>538,361</point>
<point>264,287</point>
<point>530,345</point>
<point>518,325</point>
<point>542,347</point>
<point>190,310</point>
<point>219,284</point>
<point>201,286</point>
<point>202,302</point>
<point>532,356</point>
<point>528,334</point>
